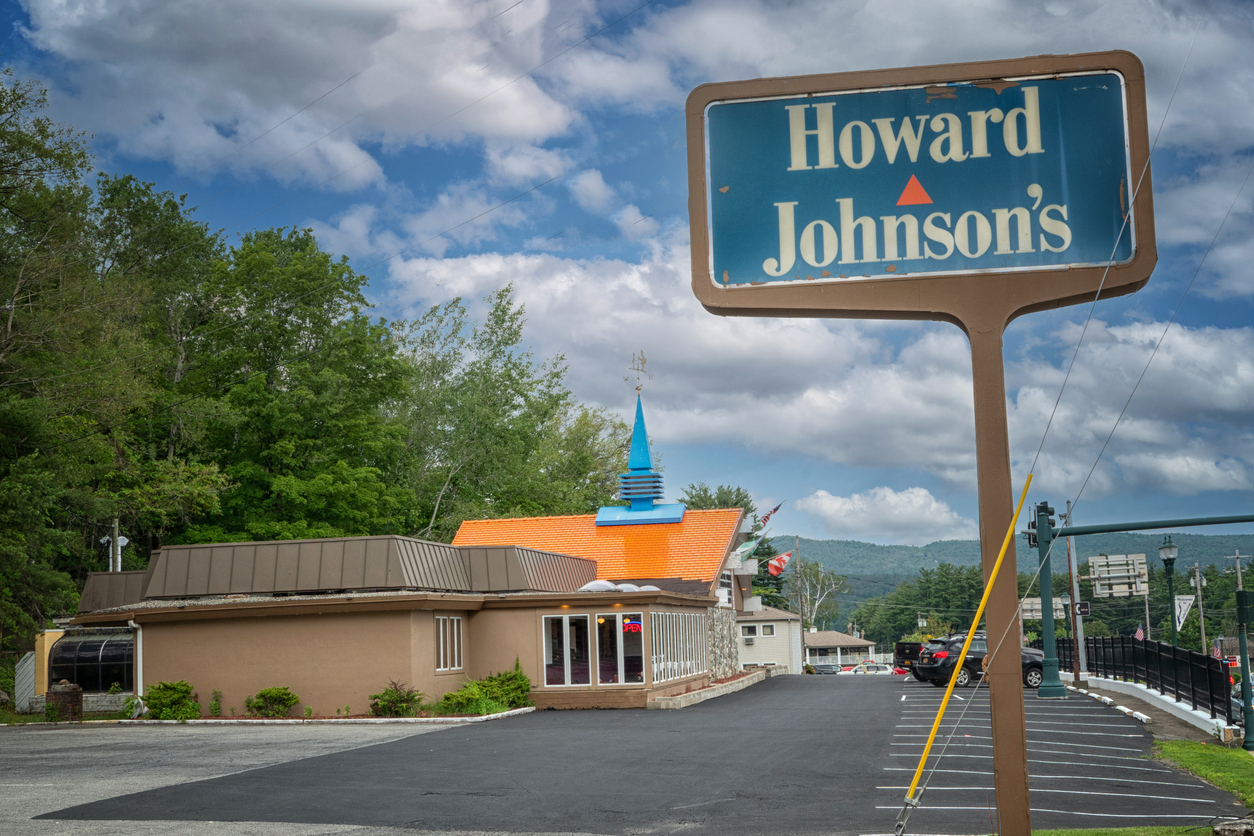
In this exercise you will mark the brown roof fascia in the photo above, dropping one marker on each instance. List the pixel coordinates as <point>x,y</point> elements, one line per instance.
<point>258,609</point>
<point>731,545</point>
<point>593,599</point>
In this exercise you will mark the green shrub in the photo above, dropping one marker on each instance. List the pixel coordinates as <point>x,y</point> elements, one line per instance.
<point>215,704</point>
<point>52,713</point>
<point>271,702</point>
<point>172,701</point>
<point>308,712</point>
<point>396,700</point>
<point>469,699</point>
<point>511,689</point>
<point>497,693</point>
<point>132,703</point>
<point>115,688</point>
<point>7,666</point>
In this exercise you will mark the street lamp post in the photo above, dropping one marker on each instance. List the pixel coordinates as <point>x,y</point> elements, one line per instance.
<point>1167,554</point>
<point>1051,685</point>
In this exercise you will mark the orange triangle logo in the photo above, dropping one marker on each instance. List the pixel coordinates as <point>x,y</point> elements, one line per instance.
<point>913,194</point>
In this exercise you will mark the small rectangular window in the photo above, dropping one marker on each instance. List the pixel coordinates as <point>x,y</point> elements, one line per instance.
<point>725,580</point>
<point>448,643</point>
<point>749,630</point>
<point>768,629</point>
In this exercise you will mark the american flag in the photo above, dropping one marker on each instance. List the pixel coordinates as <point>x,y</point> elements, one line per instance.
<point>1139,635</point>
<point>767,516</point>
<point>1215,651</point>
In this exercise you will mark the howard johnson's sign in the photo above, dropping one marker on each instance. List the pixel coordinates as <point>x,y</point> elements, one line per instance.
<point>1009,175</point>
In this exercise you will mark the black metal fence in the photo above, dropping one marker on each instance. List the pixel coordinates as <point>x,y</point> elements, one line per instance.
<point>1190,677</point>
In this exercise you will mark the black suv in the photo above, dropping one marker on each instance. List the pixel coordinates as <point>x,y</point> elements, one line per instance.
<point>937,659</point>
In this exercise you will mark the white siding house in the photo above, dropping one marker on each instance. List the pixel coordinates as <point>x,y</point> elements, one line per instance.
<point>769,637</point>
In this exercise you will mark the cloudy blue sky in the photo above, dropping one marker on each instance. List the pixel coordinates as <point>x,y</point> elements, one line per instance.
<point>403,126</point>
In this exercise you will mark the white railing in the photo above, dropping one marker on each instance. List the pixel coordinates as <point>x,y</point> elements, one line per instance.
<point>679,645</point>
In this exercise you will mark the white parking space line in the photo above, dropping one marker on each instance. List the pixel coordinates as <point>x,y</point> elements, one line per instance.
<point>1054,731</point>
<point>1195,816</point>
<point>1056,777</point>
<point>1192,817</point>
<point>961,755</point>
<point>1068,792</point>
<point>1042,742</point>
<point>1081,763</point>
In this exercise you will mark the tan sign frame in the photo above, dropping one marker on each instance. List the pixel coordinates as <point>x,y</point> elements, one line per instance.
<point>981,304</point>
<point>952,298</point>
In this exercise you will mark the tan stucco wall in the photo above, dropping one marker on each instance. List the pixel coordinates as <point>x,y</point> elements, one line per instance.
<point>497,637</point>
<point>43,649</point>
<point>329,660</point>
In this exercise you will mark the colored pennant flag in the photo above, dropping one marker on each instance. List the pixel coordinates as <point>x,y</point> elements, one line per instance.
<point>771,513</point>
<point>1139,635</point>
<point>745,549</point>
<point>776,565</point>
<point>1184,603</point>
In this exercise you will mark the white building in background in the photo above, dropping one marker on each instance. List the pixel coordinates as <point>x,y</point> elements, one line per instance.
<point>831,647</point>
<point>769,637</point>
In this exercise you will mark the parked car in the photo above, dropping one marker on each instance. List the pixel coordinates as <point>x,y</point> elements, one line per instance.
<point>871,668</point>
<point>937,660</point>
<point>826,669</point>
<point>906,654</point>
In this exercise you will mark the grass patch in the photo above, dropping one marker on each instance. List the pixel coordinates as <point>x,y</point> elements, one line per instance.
<point>1123,831</point>
<point>1228,769</point>
<point>10,717</point>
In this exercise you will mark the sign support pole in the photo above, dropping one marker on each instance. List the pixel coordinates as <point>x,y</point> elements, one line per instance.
<point>996,503</point>
<point>752,211</point>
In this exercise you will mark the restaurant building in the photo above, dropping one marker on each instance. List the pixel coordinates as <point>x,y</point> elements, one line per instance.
<point>606,610</point>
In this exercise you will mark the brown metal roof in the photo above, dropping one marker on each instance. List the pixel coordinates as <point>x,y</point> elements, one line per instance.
<point>834,638</point>
<point>767,614</point>
<point>111,589</point>
<point>358,563</point>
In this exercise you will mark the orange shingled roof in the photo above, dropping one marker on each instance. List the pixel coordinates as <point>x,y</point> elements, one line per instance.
<point>693,548</point>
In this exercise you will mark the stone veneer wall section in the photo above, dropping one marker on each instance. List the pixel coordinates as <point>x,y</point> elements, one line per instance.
<point>724,650</point>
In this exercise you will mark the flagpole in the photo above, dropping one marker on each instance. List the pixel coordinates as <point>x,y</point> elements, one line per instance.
<point>805,658</point>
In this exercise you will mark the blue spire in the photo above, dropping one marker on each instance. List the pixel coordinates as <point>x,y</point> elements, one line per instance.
<point>641,486</point>
<point>640,458</point>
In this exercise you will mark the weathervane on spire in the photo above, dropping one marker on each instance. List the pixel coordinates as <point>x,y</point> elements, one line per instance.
<point>638,362</point>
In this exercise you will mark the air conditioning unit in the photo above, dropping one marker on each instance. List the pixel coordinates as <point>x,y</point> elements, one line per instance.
<point>748,640</point>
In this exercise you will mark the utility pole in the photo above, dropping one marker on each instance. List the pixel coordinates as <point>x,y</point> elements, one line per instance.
<point>1200,582</point>
<point>1051,687</point>
<point>1243,617</point>
<point>1075,599</point>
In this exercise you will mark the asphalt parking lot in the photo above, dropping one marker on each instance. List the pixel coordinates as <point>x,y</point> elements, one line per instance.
<point>1087,767</point>
<point>793,755</point>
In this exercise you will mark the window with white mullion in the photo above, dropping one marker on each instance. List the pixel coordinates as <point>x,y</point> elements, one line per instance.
<point>448,643</point>
<point>568,659</point>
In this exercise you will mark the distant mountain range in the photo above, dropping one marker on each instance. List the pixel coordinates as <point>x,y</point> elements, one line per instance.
<point>853,557</point>
<point>875,570</point>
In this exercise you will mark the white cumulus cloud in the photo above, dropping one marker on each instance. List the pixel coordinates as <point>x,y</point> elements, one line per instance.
<point>912,516</point>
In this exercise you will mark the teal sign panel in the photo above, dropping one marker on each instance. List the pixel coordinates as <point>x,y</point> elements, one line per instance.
<point>964,178</point>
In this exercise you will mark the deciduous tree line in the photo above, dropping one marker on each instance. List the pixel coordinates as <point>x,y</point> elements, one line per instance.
<point>947,597</point>
<point>203,390</point>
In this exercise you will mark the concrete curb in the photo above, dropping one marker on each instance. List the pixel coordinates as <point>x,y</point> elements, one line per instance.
<point>353,721</point>
<point>694,697</point>
<point>1198,719</point>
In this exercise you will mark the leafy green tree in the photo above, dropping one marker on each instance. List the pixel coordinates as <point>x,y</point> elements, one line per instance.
<point>700,496</point>
<point>300,376</point>
<point>492,432</point>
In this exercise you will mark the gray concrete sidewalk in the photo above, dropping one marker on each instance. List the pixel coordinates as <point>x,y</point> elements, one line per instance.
<point>47,768</point>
